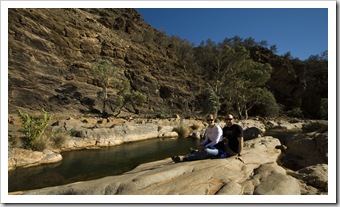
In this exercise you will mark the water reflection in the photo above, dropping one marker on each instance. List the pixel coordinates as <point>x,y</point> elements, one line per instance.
<point>93,164</point>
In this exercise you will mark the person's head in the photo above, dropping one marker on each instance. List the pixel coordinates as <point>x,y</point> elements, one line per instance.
<point>229,119</point>
<point>210,119</point>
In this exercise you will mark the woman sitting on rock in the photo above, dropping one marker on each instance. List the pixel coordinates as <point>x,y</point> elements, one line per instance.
<point>211,147</point>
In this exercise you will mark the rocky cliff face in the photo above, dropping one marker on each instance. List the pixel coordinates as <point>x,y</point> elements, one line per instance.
<point>51,51</point>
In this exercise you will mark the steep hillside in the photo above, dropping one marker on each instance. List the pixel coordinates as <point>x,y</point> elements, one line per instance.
<point>51,51</point>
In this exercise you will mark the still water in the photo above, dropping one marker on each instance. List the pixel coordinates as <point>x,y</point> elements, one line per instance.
<point>85,165</point>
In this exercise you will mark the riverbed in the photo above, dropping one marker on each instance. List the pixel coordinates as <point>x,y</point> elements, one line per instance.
<point>90,164</point>
<point>82,165</point>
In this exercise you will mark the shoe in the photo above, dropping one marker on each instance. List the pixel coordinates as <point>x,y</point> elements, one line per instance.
<point>192,150</point>
<point>176,159</point>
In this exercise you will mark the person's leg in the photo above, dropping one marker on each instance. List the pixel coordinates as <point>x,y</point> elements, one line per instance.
<point>198,155</point>
<point>229,151</point>
<point>211,152</point>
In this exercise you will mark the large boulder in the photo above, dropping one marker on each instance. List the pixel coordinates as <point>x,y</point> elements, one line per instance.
<point>316,176</point>
<point>306,149</point>
<point>269,175</point>
<point>251,133</point>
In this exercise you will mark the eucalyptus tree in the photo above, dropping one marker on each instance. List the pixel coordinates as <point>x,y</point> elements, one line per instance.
<point>126,96</point>
<point>250,86</point>
<point>122,95</point>
<point>233,78</point>
<point>216,62</point>
<point>103,71</point>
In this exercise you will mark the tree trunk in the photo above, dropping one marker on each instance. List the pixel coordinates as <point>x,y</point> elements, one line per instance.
<point>120,110</point>
<point>104,113</point>
<point>246,113</point>
<point>239,110</point>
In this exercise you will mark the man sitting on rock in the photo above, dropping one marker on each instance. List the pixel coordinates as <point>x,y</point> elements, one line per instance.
<point>211,147</point>
<point>233,137</point>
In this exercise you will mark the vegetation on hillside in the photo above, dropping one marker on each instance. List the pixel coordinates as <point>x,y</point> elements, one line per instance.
<point>103,71</point>
<point>106,75</point>
<point>236,72</point>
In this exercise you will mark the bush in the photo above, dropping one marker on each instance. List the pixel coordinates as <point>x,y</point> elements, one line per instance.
<point>57,138</point>
<point>295,112</point>
<point>33,129</point>
<point>40,143</point>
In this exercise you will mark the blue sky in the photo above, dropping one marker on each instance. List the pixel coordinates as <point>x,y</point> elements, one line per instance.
<point>300,31</point>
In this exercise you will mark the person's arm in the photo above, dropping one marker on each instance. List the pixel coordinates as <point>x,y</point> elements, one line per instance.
<point>202,144</point>
<point>240,146</point>
<point>240,140</point>
<point>217,136</point>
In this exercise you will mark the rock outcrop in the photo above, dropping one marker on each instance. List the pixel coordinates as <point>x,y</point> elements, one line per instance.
<point>268,163</point>
<point>18,157</point>
<point>259,174</point>
<point>90,133</point>
<point>305,150</point>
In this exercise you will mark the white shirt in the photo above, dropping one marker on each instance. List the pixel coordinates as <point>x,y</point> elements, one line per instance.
<point>214,134</point>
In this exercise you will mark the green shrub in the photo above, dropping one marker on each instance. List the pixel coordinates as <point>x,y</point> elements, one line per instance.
<point>295,112</point>
<point>33,129</point>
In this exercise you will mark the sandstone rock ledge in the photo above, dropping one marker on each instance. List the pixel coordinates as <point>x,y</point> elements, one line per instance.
<point>27,158</point>
<point>260,174</point>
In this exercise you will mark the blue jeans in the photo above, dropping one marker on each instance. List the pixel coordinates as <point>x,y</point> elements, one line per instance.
<point>203,154</point>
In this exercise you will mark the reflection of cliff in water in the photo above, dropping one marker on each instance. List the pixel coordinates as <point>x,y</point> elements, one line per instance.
<point>93,164</point>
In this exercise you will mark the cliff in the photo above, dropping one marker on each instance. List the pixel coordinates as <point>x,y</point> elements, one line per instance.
<point>51,51</point>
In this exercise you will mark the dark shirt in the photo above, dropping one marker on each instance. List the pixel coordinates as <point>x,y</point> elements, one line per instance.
<point>231,134</point>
